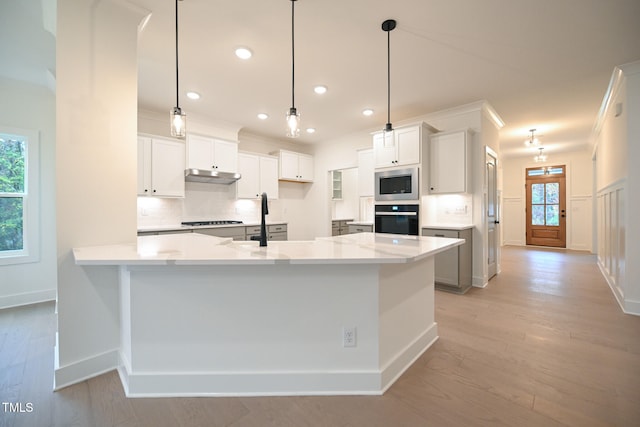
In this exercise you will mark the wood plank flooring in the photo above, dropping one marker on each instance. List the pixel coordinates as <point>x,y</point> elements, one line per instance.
<point>545,344</point>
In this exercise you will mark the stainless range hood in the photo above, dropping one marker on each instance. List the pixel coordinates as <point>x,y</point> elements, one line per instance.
<point>210,176</point>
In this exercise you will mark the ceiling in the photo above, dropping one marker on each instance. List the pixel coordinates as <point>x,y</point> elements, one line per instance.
<point>541,64</point>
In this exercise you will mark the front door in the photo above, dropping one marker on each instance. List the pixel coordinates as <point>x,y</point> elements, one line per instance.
<point>546,211</point>
<point>492,214</point>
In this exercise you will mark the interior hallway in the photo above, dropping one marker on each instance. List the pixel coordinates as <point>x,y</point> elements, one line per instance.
<point>545,344</point>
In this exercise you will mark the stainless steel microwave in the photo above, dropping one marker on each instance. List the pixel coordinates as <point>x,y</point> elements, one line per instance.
<point>397,184</point>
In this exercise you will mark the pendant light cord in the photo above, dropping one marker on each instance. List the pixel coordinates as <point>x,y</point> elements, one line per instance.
<point>177,71</point>
<point>388,77</point>
<point>293,57</point>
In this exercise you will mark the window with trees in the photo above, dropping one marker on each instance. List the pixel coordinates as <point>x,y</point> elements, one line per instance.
<point>18,198</point>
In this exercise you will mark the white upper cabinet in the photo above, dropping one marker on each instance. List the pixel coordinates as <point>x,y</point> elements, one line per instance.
<point>160,167</point>
<point>402,147</point>
<point>449,162</point>
<point>210,153</point>
<point>365,173</point>
<point>259,175</point>
<point>295,166</point>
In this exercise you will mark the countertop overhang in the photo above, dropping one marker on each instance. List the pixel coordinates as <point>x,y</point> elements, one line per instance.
<point>198,249</point>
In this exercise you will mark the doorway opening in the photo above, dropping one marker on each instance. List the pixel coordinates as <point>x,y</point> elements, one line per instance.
<point>546,211</point>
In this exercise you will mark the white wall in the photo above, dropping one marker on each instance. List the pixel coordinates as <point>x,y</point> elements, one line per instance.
<point>579,197</point>
<point>27,106</point>
<point>96,104</point>
<point>617,138</point>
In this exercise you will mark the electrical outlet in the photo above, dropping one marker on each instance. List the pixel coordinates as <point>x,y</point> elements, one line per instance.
<point>349,336</point>
<point>460,210</point>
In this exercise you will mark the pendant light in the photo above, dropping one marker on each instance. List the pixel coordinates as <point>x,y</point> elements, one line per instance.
<point>388,26</point>
<point>178,118</point>
<point>532,140</point>
<point>293,117</point>
<point>540,157</point>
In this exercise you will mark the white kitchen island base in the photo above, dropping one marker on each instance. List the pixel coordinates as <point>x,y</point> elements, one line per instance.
<point>257,321</point>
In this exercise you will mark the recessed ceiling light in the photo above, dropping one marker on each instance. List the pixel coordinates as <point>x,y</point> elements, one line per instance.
<point>244,53</point>
<point>367,111</point>
<point>193,95</point>
<point>320,89</point>
<point>263,116</point>
<point>311,130</point>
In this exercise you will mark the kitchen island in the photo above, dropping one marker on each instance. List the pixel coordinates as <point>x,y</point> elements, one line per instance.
<point>206,316</point>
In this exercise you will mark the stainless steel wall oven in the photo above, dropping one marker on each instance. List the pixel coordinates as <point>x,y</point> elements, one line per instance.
<point>397,219</point>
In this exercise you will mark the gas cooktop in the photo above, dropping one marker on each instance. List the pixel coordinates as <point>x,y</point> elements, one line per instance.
<point>215,222</point>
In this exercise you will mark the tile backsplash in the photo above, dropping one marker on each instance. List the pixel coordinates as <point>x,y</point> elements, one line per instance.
<point>447,209</point>
<point>202,202</point>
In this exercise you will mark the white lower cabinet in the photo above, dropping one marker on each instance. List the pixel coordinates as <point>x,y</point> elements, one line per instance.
<point>259,175</point>
<point>453,267</point>
<point>161,164</point>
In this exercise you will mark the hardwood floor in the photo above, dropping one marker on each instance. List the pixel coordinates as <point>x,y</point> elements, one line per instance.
<point>545,344</point>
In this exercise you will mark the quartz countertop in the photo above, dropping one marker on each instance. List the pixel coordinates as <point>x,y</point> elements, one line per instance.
<point>172,227</point>
<point>448,226</point>
<point>360,223</point>
<point>198,249</point>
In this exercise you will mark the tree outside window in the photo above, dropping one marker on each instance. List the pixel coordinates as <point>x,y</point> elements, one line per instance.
<point>13,192</point>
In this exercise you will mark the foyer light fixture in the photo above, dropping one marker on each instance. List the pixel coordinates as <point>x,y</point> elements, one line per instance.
<point>388,26</point>
<point>293,117</point>
<point>178,118</point>
<point>532,140</point>
<point>540,157</point>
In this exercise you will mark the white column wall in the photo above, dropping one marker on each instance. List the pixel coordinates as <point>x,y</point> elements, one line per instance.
<point>96,173</point>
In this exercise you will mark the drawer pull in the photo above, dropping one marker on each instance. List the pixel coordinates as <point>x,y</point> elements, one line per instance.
<point>439,235</point>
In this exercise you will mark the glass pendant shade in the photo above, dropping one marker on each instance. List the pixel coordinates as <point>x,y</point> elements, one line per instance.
<point>388,135</point>
<point>540,157</point>
<point>293,123</point>
<point>178,123</point>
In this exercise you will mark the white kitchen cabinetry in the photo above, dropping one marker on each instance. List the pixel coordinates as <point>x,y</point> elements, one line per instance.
<point>210,153</point>
<point>453,267</point>
<point>259,175</point>
<point>336,185</point>
<point>160,167</point>
<point>449,162</point>
<point>404,147</point>
<point>295,166</point>
<point>365,173</point>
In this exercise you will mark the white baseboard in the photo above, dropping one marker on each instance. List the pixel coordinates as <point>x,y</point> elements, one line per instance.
<point>28,298</point>
<point>82,370</point>
<point>627,306</point>
<point>478,282</point>
<point>405,358</point>
<point>274,383</point>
